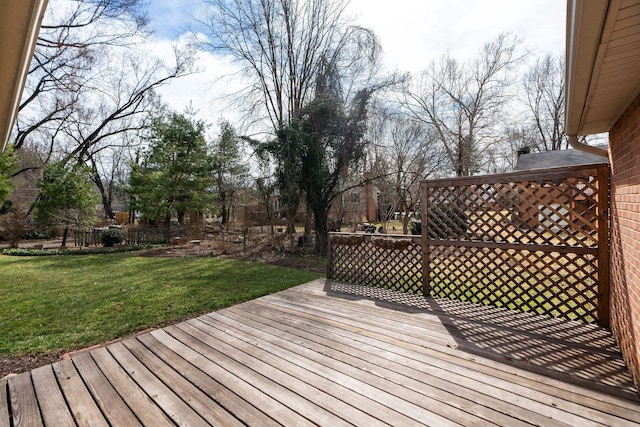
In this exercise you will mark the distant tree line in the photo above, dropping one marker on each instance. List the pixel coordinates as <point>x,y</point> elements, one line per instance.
<point>330,120</point>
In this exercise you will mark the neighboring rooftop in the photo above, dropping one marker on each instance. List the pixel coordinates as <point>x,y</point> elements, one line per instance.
<point>557,158</point>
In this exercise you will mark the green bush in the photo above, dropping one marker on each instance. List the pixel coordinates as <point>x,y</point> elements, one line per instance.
<point>416,228</point>
<point>110,237</point>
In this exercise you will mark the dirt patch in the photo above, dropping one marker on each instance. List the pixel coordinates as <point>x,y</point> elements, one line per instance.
<point>25,363</point>
<point>266,249</point>
<point>298,260</point>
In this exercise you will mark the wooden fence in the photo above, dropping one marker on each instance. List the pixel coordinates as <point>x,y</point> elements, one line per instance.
<point>130,237</point>
<point>531,241</point>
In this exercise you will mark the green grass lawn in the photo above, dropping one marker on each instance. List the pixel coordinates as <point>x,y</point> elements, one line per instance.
<point>52,304</point>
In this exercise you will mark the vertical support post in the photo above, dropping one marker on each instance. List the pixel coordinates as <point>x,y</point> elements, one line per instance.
<point>424,207</point>
<point>329,258</point>
<point>603,245</point>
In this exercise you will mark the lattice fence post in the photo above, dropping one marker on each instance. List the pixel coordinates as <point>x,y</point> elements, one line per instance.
<point>424,218</point>
<point>329,257</point>
<point>603,245</point>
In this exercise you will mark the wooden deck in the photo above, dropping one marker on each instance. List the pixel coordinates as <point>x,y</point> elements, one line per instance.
<point>329,354</point>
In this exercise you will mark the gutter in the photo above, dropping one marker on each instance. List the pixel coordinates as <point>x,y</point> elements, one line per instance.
<point>573,142</point>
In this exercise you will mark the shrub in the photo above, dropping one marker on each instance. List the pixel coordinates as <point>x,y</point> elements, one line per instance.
<point>110,237</point>
<point>61,252</point>
<point>416,228</point>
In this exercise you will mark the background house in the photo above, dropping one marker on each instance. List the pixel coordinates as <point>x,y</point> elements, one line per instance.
<point>602,95</point>
<point>578,211</point>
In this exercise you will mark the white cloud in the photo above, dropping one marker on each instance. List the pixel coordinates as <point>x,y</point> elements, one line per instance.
<point>412,33</point>
<point>206,90</point>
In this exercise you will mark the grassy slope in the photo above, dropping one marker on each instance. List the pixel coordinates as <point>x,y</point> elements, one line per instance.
<point>64,303</point>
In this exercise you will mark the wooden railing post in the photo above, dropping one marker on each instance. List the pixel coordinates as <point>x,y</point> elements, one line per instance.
<point>329,258</point>
<point>603,245</point>
<point>424,231</point>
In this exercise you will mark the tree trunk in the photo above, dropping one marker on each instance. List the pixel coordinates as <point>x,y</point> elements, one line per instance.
<point>405,219</point>
<point>291,219</point>
<point>224,214</point>
<point>307,222</point>
<point>65,233</point>
<point>322,232</point>
<point>105,195</point>
<point>167,224</point>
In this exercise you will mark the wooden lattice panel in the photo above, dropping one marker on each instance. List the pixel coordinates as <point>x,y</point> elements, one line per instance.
<point>532,241</point>
<point>546,283</point>
<point>389,262</point>
<point>547,212</point>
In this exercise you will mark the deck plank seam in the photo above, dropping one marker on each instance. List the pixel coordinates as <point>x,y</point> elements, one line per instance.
<point>283,387</point>
<point>320,368</point>
<point>598,361</point>
<point>628,393</point>
<point>251,350</point>
<point>531,402</point>
<point>421,389</point>
<point>505,386</point>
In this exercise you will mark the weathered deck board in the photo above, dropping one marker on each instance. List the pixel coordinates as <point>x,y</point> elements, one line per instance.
<point>245,412</point>
<point>313,355</point>
<point>5,420</point>
<point>55,411</point>
<point>383,363</point>
<point>139,402</point>
<point>202,404</point>
<point>115,410</point>
<point>540,403</point>
<point>24,404</point>
<point>371,368</point>
<point>280,371</point>
<point>81,404</point>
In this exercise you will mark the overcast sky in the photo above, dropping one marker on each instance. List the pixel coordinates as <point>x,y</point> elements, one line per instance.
<point>412,33</point>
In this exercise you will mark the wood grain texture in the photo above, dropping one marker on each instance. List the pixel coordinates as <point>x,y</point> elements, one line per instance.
<point>5,420</point>
<point>105,395</point>
<point>24,404</point>
<point>55,411</point>
<point>82,405</point>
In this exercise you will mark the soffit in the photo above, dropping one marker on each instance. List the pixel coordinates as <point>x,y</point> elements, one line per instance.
<point>603,63</point>
<point>19,26</point>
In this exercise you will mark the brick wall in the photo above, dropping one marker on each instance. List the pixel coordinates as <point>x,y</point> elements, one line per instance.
<point>624,144</point>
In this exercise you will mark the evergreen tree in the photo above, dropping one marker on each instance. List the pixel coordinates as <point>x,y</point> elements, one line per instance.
<point>8,163</point>
<point>173,176</point>
<point>67,197</point>
<point>230,172</point>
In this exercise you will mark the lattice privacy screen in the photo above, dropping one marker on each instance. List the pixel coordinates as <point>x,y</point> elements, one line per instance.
<point>531,241</point>
<point>526,241</point>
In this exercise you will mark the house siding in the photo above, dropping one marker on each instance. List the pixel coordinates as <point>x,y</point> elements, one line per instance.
<point>624,144</point>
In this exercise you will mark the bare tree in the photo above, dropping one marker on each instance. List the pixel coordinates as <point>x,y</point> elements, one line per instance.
<point>544,87</point>
<point>91,86</point>
<point>414,155</point>
<point>281,46</point>
<point>463,102</point>
<point>71,43</point>
<point>285,49</point>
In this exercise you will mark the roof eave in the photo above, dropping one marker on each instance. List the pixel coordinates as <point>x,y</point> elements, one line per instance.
<point>19,27</point>
<point>585,22</point>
